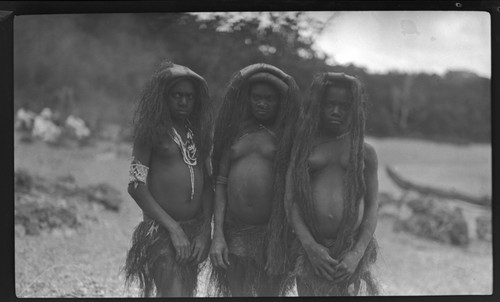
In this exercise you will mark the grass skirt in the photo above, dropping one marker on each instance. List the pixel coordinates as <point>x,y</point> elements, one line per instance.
<point>152,254</point>
<point>247,246</point>
<point>360,283</point>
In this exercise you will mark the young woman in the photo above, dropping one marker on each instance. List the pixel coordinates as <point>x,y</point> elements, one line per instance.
<point>331,192</point>
<point>252,143</point>
<point>170,181</point>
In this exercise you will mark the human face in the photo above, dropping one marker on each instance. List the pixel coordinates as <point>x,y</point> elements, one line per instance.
<point>180,100</point>
<point>264,102</point>
<point>335,109</point>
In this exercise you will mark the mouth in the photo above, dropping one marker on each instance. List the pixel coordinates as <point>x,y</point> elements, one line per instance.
<point>335,121</point>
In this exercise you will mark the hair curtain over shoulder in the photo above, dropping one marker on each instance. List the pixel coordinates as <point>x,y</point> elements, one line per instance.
<point>233,112</point>
<point>152,117</point>
<point>353,181</point>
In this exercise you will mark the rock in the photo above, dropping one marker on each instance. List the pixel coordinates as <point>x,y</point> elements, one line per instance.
<point>77,127</point>
<point>436,221</point>
<point>68,232</point>
<point>57,233</point>
<point>24,120</point>
<point>483,228</point>
<point>68,178</point>
<point>23,181</point>
<point>44,127</point>
<point>36,217</point>
<point>110,132</point>
<point>19,230</point>
<point>106,195</point>
<point>385,199</point>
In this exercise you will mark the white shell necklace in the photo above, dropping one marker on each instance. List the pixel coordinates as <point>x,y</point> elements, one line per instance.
<point>189,154</point>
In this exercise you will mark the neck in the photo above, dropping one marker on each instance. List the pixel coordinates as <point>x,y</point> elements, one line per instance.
<point>179,123</point>
<point>268,124</point>
<point>338,134</point>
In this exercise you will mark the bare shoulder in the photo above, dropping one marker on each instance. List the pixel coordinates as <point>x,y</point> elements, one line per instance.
<point>141,150</point>
<point>371,158</point>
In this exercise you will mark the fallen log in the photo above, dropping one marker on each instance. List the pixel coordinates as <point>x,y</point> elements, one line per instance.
<point>404,184</point>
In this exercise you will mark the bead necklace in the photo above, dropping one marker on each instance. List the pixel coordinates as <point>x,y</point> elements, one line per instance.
<point>268,130</point>
<point>188,151</point>
<point>342,135</point>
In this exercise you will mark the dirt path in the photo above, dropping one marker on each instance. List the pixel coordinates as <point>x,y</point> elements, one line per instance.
<point>87,263</point>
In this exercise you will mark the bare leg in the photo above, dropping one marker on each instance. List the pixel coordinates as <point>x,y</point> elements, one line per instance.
<point>270,287</point>
<point>236,278</point>
<point>302,289</point>
<point>168,283</point>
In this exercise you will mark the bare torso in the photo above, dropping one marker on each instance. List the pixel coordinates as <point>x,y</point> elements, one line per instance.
<point>169,181</point>
<point>327,165</point>
<point>250,179</point>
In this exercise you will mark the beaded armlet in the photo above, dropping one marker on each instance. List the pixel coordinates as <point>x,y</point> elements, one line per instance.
<point>138,172</point>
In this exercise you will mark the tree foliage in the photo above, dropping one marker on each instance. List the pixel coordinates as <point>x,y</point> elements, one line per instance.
<point>104,60</point>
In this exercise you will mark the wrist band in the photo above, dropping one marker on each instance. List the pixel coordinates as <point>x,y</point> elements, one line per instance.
<point>221,180</point>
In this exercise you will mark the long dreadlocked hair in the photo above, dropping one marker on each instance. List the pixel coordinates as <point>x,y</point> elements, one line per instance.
<point>152,119</point>
<point>229,125</point>
<point>353,182</point>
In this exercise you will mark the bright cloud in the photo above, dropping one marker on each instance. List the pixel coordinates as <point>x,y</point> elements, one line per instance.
<point>410,41</point>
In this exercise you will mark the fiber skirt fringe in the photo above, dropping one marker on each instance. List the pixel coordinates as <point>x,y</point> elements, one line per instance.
<point>152,258</point>
<point>247,246</point>
<point>360,283</point>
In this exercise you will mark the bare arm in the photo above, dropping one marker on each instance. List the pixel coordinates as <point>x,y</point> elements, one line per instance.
<point>318,254</point>
<point>219,253</point>
<point>201,243</point>
<point>221,198</point>
<point>142,196</point>
<point>208,198</point>
<point>368,224</point>
<point>370,215</point>
<point>293,213</point>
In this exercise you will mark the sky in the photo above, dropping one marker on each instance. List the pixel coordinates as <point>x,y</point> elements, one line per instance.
<point>409,41</point>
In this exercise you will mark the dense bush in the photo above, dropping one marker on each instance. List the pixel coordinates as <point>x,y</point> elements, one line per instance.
<point>96,65</point>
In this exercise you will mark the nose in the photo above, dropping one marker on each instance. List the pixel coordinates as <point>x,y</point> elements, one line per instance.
<point>183,101</point>
<point>336,110</point>
<point>261,104</point>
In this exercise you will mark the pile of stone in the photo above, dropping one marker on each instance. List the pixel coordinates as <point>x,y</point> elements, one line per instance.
<point>435,220</point>
<point>48,127</point>
<point>483,227</point>
<point>44,206</point>
<point>36,214</point>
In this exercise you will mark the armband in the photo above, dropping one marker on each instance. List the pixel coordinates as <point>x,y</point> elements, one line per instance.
<point>221,180</point>
<point>138,173</point>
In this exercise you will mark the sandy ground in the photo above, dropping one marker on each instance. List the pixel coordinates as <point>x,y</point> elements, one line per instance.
<point>87,263</point>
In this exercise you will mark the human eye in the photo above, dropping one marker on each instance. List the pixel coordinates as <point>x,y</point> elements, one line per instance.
<point>272,99</point>
<point>329,105</point>
<point>176,95</point>
<point>346,106</point>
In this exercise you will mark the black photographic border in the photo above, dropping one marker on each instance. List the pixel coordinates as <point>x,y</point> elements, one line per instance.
<point>10,9</point>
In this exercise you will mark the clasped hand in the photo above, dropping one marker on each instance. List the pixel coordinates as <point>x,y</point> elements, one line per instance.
<point>331,269</point>
<point>186,251</point>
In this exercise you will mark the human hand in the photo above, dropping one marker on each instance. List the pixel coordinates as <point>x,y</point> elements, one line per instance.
<point>200,247</point>
<point>219,253</point>
<point>181,245</point>
<point>347,265</point>
<point>323,264</point>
